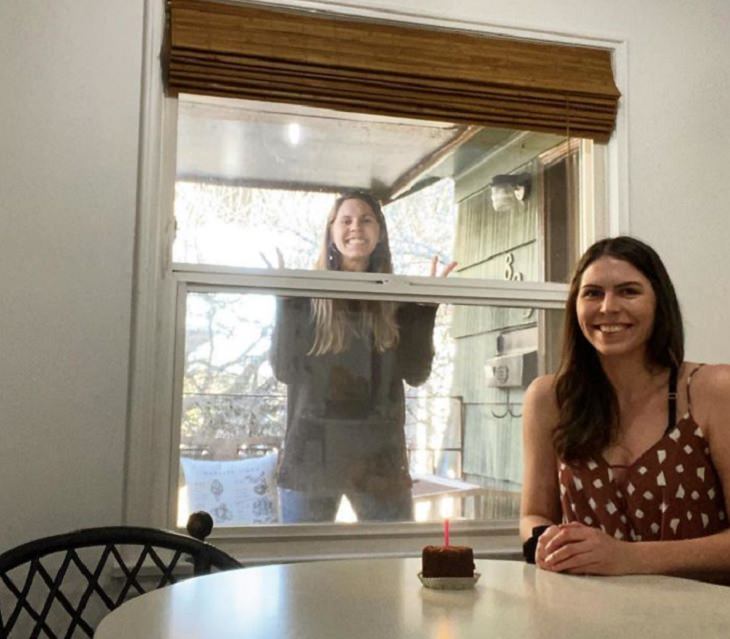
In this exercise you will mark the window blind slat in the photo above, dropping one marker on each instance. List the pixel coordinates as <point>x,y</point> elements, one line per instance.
<point>209,79</point>
<point>184,59</point>
<point>342,63</point>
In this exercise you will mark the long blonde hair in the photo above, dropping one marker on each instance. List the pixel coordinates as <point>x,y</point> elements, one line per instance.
<point>334,324</point>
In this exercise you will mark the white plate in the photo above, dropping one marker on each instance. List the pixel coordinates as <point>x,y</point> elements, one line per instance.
<point>449,583</point>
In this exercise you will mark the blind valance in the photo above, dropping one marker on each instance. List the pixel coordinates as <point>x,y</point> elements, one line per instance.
<point>252,52</point>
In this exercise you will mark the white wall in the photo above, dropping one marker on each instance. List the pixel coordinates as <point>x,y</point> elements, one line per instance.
<point>69,123</point>
<point>70,78</point>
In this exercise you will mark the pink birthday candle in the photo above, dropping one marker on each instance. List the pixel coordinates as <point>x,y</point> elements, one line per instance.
<point>446,532</point>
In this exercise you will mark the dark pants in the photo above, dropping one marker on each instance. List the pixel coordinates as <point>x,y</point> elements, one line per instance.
<point>298,506</point>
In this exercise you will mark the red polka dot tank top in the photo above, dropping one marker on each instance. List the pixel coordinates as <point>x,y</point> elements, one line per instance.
<point>672,491</point>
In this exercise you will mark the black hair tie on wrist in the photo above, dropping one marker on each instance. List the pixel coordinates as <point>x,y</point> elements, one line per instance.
<point>530,546</point>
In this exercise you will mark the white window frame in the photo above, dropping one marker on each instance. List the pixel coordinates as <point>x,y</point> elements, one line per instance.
<point>151,461</point>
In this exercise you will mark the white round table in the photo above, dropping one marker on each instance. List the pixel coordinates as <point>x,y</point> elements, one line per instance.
<point>383,599</point>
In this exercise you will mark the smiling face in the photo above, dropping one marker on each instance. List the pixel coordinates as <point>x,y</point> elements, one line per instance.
<point>615,307</point>
<point>355,232</point>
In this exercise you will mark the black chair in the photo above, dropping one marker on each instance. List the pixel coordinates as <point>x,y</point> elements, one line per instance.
<point>61,586</point>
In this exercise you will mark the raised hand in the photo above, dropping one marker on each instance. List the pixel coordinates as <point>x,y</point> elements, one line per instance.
<point>279,259</point>
<point>446,270</point>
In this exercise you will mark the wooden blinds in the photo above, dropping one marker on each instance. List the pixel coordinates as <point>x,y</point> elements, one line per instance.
<point>247,51</point>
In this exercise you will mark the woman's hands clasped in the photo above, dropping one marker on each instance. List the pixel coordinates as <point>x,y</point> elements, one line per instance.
<point>578,549</point>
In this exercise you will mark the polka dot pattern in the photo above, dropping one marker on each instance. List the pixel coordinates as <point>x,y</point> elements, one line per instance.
<point>671,492</point>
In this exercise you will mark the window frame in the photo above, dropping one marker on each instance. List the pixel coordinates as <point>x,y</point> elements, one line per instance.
<point>151,465</point>
<point>217,279</point>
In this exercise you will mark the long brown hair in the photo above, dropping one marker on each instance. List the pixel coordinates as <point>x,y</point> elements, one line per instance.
<point>334,327</point>
<point>588,408</point>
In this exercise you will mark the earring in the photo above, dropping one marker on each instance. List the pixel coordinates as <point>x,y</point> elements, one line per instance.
<point>333,257</point>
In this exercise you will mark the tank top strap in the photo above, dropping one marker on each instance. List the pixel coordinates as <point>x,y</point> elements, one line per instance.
<point>672,399</point>
<point>689,382</point>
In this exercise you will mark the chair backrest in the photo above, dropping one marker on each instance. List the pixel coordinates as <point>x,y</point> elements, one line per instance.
<point>61,586</point>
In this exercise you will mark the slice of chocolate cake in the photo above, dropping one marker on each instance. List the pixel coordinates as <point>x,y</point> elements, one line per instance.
<point>447,561</point>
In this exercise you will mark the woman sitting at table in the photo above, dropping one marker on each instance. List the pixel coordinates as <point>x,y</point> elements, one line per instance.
<point>627,447</point>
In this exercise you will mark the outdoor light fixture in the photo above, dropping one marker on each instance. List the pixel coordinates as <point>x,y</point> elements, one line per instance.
<point>508,190</point>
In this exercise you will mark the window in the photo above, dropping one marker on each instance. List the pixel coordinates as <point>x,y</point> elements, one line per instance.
<point>461,422</point>
<point>254,179</point>
<point>255,184</point>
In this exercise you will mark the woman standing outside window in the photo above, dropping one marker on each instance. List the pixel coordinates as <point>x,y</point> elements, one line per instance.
<point>344,363</point>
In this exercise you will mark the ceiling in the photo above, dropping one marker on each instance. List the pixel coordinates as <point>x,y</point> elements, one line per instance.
<point>289,146</point>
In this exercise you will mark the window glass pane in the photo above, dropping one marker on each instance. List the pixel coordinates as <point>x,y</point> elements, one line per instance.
<point>255,177</point>
<point>361,420</point>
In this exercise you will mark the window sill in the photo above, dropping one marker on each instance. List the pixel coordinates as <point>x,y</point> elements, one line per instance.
<point>314,542</point>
